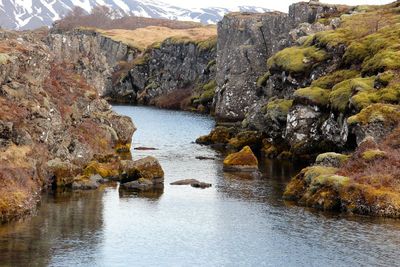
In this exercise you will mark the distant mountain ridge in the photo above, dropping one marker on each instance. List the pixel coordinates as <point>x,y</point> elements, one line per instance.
<point>30,14</point>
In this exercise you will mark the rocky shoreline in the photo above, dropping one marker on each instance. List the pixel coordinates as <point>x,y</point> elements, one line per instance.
<point>320,79</point>
<point>55,131</point>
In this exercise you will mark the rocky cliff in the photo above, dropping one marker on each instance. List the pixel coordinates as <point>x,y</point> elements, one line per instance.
<point>55,131</point>
<point>92,55</point>
<point>333,89</point>
<point>170,72</point>
<point>246,41</point>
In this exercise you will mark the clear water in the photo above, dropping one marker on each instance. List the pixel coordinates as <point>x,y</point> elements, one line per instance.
<point>237,222</point>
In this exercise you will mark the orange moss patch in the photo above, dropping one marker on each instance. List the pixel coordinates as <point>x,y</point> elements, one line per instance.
<point>244,158</point>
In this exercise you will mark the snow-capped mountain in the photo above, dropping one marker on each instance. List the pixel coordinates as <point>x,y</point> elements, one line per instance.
<point>30,14</point>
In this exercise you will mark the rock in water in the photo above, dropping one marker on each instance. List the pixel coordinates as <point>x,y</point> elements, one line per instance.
<point>242,161</point>
<point>143,174</point>
<point>192,182</point>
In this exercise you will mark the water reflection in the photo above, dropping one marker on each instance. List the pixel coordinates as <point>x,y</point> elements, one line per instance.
<point>239,221</point>
<point>76,217</point>
<point>152,195</point>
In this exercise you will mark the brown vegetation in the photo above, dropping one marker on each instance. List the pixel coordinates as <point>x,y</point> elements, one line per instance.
<point>101,18</point>
<point>176,99</point>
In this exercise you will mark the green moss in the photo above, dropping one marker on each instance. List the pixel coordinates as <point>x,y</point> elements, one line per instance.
<point>277,109</point>
<point>332,156</point>
<point>383,60</point>
<point>211,63</point>
<point>385,77</point>
<point>373,154</point>
<point>208,92</point>
<point>332,38</point>
<point>313,95</point>
<point>297,59</point>
<point>337,181</point>
<point>262,80</point>
<point>328,81</point>
<point>377,113</point>
<point>310,173</point>
<point>341,93</point>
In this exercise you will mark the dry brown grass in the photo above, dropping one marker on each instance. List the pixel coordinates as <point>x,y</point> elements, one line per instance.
<point>144,37</point>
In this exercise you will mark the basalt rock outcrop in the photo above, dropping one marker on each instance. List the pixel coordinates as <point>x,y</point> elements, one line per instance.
<point>93,55</point>
<point>171,73</point>
<point>52,125</point>
<point>177,72</point>
<point>246,41</point>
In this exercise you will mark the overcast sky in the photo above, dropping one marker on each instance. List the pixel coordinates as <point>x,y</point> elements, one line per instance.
<point>281,5</point>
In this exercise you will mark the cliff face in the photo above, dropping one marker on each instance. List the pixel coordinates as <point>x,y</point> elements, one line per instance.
<point>168,74</point>
<point>93,55</point>
<point>335,88</point>
<point>174,69</point>
<point>245,42</point>
<point>52,124</point>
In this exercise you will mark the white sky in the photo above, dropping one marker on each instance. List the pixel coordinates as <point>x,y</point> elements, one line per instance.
<point>281,5</point>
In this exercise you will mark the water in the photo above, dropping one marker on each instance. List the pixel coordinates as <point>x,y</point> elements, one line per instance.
<point>237,222</point>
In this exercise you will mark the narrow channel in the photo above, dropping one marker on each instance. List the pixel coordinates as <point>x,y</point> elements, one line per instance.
<point>236,222</point>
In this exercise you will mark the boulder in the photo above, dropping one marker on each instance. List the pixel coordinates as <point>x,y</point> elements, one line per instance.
<point>242,161</point>
<point>192,182</point>
<point>141,184</point>
<point>148,168</point>
<point>331,159</point>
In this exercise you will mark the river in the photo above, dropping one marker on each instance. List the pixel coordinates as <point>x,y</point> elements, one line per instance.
<point>236,222</point>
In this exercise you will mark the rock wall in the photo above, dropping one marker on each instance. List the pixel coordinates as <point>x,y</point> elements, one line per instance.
<point>93,55</point>
<point>52,124</point>
<point>173,67</point>
<point>245,42</point>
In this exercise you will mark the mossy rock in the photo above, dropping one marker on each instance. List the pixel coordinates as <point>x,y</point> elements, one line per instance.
<point>342,92</point>
<point>262,80</point>
<point>219,135</point>
<point>244,160</point>
<point>311,173</point>
<point>245,138</point>
<point>297,59</point>
<point>105,170</point>
<point>277,109</point>
<point>373,154</point>
<point>312,96</point>
<point>331,159</point>
<point>384,113</point>
<point>208,92</point>
<point>330,80</point>
<point>123,148</point>
<point>331,179</point>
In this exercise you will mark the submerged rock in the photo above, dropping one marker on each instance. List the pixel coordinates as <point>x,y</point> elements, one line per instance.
<point>242,161</point>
